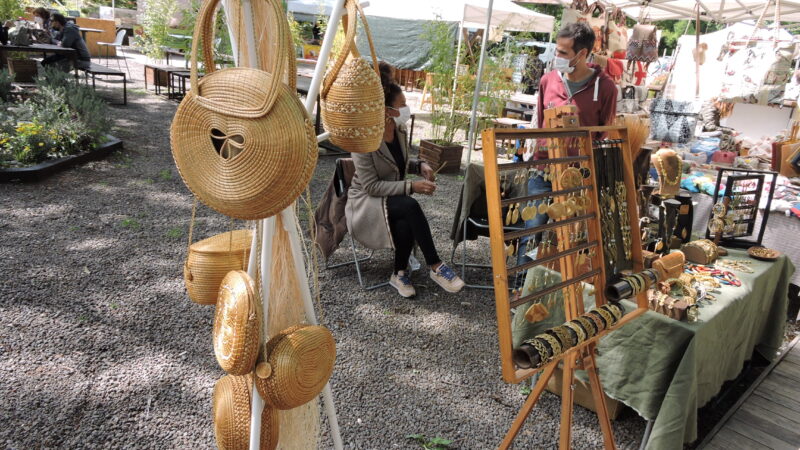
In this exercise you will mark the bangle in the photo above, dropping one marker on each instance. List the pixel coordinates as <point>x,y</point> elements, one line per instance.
<point>609,319</point>
<point>578,330</point>
<point>598,320</point>
<point>588,325</point>
<point>563,335</point>
<point>555,346</point>
<point>615,311</point>
<point>540,348</point>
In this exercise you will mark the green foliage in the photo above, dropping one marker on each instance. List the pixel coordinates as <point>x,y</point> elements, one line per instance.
<point>5,84</point>
<point>165,174</point>
<point>10,9</point>
<point>130,223</point>
<point>155,27</point>
<point>175,233</point>
<point>430,443</point>
<point>525,389</point>
<point>60,119</point>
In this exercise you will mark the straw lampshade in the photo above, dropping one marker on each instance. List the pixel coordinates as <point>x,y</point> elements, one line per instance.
<point>300,362</point>
<point>231,410</point>
<point>211,259</point>
<point>237,324</point>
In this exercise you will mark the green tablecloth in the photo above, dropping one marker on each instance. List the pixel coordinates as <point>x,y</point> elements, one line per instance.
<point>665,369</point>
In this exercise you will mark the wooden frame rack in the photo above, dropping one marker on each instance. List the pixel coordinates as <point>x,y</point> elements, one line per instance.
<point>580,140</point>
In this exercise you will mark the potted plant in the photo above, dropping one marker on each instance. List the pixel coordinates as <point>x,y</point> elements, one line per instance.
<point>23,69</point>
<point>450,110</point>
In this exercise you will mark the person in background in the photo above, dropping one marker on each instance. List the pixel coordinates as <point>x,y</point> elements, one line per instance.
<point>573,81</point>
<point>380,210</point>
<point>68,35</point>
<point>41,17</point>
<point>534,68</point>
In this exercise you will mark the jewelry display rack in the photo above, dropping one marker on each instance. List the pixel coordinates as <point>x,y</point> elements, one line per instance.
<point>588,253</point>
<point>737,214</point>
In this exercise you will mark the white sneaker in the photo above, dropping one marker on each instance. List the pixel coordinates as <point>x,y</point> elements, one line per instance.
<point>447,279</point>
<point>402,283</point>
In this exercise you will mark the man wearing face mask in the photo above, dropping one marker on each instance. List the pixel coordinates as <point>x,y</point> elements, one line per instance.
<point>573,81</point>
<point>380,209</point>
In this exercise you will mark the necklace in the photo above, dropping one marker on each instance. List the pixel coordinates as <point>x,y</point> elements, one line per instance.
<point>677,177</point>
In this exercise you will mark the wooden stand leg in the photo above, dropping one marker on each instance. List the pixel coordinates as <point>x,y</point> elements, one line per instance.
<point>526,409</point>
<point>566,402</point>
<point>599,398</point>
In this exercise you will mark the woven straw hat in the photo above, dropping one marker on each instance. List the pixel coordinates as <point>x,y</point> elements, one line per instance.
<point>231,410</point>
<point>352,94</point>
<point>237,324</point>
<point>300,362</point>
<point>241,139</point>
<point>210,260</point>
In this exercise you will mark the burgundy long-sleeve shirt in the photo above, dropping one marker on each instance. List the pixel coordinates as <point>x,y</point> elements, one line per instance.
<point>596,101</point>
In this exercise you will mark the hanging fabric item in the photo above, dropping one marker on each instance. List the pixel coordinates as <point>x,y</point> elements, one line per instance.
<point>352,94</point>
<point>643,43</point>
<point>673,121</point>
<point>575,13</point>
<point>242,141</point>
<point>598,24</point>
<point>617,35</point>
<point>758,72</point>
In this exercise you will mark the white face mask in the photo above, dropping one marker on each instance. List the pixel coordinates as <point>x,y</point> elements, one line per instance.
<point>563,65</point>
<point>405,115</point>
<point>38,20</point>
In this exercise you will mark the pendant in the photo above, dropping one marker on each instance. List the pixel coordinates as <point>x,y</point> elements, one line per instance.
<point>515,216</point>
<point>542,209</point>
<point>508,214</point>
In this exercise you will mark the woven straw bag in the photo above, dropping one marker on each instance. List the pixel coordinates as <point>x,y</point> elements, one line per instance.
<point>231,411</point>
<point>241,139</point>
<point>210,260</point>
<point>237,324</point>
<point>300,360</point>
<point>352,94</point>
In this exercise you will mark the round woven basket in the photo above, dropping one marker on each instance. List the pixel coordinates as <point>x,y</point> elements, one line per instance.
<point>211,259</point>
<point>231,411</point>
<point>241,139</point>
<point>237,324</point>
<point>352,95</point>
<point>301,359</point>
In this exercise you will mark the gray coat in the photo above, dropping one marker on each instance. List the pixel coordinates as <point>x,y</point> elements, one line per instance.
<point>377,177</point>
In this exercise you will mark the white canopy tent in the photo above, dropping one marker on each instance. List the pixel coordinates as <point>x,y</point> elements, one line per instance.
<point>722,11</point>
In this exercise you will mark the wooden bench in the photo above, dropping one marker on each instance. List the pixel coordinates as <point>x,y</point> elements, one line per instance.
<point>95,70</point>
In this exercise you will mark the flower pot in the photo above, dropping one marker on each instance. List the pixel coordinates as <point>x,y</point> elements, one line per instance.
<point>436,154</point>
<point>24,70</point>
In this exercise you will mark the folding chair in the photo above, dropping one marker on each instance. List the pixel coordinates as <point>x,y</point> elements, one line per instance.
<point>341,185</point>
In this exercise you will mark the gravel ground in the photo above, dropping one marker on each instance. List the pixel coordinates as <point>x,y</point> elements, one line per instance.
<point>100,347</point>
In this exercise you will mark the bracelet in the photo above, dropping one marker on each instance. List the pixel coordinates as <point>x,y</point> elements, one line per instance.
<point>540,348</point>
<point>555,346</point>
<point>563,335</point>
<point>588,325</point>
<point>615,311</point>
<point>606,316</point>
<point>578,330</point>
<point>598,320</point>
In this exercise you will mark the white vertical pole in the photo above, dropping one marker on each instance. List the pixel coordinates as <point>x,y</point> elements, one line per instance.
<point>311,316</point>
<point>473,119</point>
<point>455,72</point>
<point>324,54</point>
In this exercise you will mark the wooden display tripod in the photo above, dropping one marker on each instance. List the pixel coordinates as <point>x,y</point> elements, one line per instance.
<point>580,260</point>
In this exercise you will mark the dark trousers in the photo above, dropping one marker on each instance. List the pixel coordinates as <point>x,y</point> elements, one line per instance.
<point>408,224</point>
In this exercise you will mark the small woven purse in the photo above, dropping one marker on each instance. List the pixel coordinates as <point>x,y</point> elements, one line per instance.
<point>241,139</point>
<point>237,324</point>
<point>231,412</point>
<point>211,259</point>
<point>352,95</point>
<point>299,361</point>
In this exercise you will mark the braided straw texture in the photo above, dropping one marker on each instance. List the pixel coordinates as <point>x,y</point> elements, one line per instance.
<point>302,359</point>
<point>352,94</point>
<point>231,411</point>
<point>241,139</point>
<point>210,260</point>
<point>237,324</point>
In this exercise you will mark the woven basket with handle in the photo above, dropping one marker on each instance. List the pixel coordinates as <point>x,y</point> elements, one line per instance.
<point>231,412</point>
<point>241,139</point>
<point>300,362</point>
<point>352,95</point>
<point>210,260</point>
<point>237,324</point>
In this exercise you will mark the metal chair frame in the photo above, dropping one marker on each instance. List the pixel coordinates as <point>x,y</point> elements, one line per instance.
<point>463,263</point>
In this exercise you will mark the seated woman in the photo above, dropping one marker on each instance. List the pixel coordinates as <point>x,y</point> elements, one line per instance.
<point>380,210</point>
<point>42,18</point>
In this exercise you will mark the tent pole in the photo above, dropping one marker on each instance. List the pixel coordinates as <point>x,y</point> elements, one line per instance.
<point>477,93</point>
<point>455,72</point>
<point>697,52</point>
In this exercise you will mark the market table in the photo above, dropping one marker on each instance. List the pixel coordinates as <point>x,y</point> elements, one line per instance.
<point>666,369</point>
<point>39,48</point>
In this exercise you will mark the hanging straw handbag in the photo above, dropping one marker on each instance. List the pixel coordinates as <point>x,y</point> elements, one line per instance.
<point>241,139</point>
<point>352,94</point>
<point>231,412</point>
<point>299,362</point>
<point>237,324</point>
<point>211,259</point>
